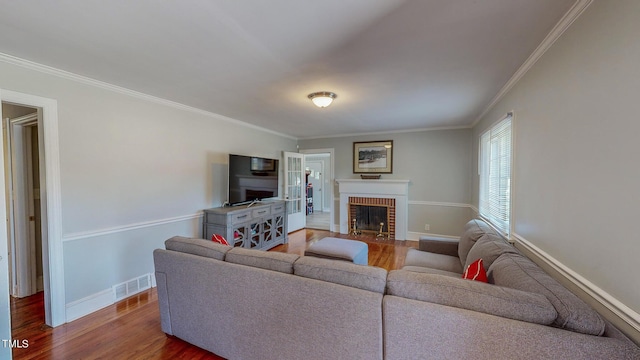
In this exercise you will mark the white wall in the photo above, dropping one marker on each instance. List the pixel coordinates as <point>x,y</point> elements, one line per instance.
<point>438,164</point>
<point>134,172</point>
<point>577,179</point>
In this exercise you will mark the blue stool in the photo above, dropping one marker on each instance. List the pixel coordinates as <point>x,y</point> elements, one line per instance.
<point>354,251</point>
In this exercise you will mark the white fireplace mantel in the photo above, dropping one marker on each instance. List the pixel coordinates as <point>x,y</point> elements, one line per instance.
<point>386,189</point>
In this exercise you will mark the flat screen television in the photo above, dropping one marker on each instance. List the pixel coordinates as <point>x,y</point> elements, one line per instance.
<point>252,178</point>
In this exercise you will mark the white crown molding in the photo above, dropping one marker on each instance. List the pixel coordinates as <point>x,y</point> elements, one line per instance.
<point>13,60</point>
<point>388,132</point>
<point>136,226</point>
<point>576,10</point>
<point>614,305</point>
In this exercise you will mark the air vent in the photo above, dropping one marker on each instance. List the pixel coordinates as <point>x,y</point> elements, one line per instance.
<point>132,287</point>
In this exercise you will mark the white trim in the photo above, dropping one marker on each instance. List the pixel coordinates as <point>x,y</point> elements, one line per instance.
<point>94,302</point>
<point>103,85</point>
<point>415,236</point>
<point>614,305</point>
<point>52,233</point>
<point>87,305</point>
<point>576,10</point>
<point>388,132</point>
<point>332,162</point>
<point>136,226</point>
<point>438,203</point>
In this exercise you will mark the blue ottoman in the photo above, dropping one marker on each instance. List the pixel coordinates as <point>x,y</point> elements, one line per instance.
<point>340,249</point>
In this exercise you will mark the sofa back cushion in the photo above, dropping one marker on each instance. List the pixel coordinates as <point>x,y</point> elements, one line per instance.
<point>200,247</point>
<point>518,272</point>
<point>488,248</point>
<point>369,278</point>
<point>471,295</point>
<point>473,231</point>
<point>275,261</point>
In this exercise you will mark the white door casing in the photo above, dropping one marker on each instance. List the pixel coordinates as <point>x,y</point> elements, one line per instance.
<point>50,195</point>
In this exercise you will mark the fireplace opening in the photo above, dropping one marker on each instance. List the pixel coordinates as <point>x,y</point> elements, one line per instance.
<point>372,216</point>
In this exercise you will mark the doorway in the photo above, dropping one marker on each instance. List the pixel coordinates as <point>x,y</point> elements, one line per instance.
<point>21,152</point>
<point>319,182</point>
<point>51,210</point>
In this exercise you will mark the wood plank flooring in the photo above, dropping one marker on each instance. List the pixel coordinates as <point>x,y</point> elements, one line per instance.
<point>130,329</point>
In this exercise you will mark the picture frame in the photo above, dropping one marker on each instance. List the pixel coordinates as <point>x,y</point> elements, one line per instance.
<point>373,157</point>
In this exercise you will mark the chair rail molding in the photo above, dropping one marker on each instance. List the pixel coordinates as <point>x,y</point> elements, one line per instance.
<point>614,305</point>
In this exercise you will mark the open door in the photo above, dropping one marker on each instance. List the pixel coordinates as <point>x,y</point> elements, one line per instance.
<point>21,190</point>
<point>294,194</point>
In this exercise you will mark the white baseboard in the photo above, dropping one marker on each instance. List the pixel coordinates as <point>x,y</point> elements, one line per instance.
<point>415,236</point>
<point>94,302</point>
<point>614,305</point>
<point>89,304</point>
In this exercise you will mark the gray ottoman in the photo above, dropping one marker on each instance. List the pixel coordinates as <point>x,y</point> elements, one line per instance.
<point>340,249</point>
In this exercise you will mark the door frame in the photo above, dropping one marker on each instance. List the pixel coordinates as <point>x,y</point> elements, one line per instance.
<point>50,195</point>
<point>19,182</point>
<point>331,178</point>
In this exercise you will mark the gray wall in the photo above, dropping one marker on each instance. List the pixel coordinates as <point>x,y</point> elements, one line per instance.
<point>438,164</point>
<point>576,176</point>
<point>133,173</point>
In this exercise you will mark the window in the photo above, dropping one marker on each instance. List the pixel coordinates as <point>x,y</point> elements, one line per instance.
<point>494,166</point>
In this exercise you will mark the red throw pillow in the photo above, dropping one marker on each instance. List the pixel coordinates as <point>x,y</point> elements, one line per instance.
<point>219,239</point>
<point>475,271</point>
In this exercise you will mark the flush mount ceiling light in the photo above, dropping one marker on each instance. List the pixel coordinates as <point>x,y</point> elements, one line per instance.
<point>322,99</point>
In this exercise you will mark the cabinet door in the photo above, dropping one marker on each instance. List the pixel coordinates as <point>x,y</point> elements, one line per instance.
<point>267,232</point>
<point>240,237</point>
<point>279,230</point>
<point>255,228</point>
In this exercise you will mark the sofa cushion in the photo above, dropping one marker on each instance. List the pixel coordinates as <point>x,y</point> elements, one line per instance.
<point>432,260</point>
<point>200,247</point>
<point>474,230</point>
<point>369,278</point>
<point>489,247</point>
<point>518,272</point>
<point>427,270</point>
<point>471,295</point>
<point>275,261</point>
<point>475,271</point>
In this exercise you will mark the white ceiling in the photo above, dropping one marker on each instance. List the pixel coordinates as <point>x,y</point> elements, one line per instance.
<point>395,65</point>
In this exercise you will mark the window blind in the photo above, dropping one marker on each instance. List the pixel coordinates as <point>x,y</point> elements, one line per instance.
<point>495,174</point>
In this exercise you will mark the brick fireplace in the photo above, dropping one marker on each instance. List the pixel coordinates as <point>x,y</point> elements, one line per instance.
<point>369,213</point>
<point>391,194</point>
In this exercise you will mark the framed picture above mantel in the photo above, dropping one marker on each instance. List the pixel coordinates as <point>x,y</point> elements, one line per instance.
<point>373,157</point>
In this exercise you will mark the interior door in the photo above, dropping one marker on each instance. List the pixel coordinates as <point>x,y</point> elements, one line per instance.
<point>294,194</point>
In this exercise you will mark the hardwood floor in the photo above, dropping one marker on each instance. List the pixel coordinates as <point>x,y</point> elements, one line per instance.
<point>130,329</point>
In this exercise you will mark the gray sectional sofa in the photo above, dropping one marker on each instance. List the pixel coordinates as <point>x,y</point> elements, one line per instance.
<point>249,304</point>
